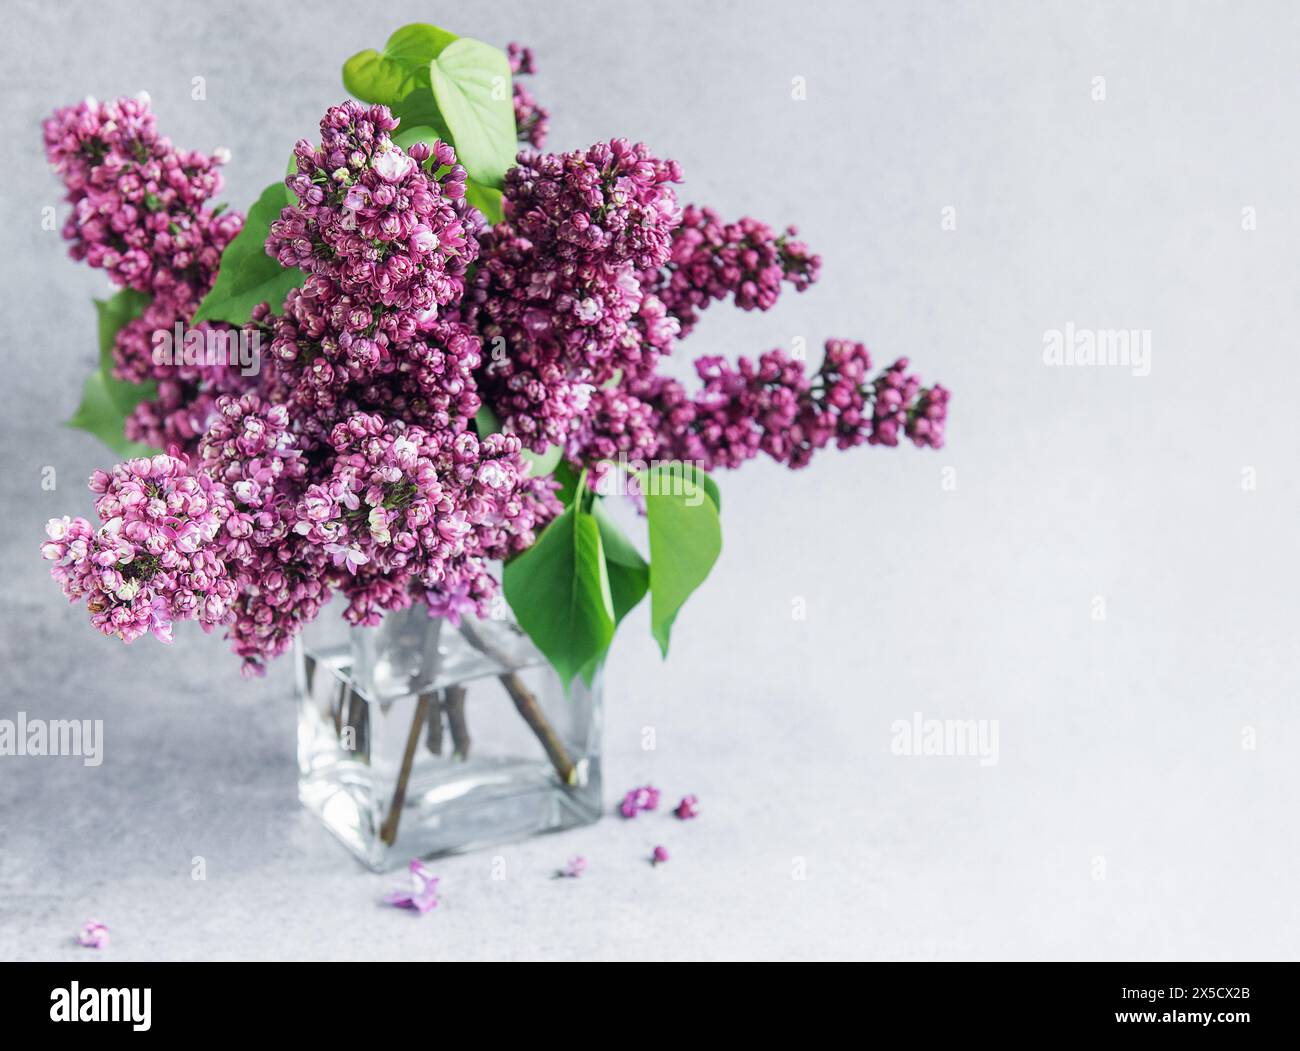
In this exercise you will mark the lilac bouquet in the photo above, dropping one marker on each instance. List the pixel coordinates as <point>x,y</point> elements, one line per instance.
<point>458,350</point>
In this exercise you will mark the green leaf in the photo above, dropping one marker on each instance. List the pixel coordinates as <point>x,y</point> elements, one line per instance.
<point>403,66</point>
<point>471,85</point>
<point>705,481</point>
<point>408,137</point>
<point>485,421</point>
<point>113,313</point>
<point>248,276</point>
<point>419,109</point>
<point>487,200</point>
<point>543,463</point>
<point>629,575</point>
<point>458,87</point>
<point>568,479</point>
<point>675,472</point>
<point>559,591</point>
<point>399,77</point>
<point>99,414</point>
<point>105,401</point>
<point>685,540</point>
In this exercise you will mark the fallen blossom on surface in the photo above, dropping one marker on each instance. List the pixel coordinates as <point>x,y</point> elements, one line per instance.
<point>644,798</point>
<point>93,935</point>
<point>423,894</point>
<point>688,808</point>
<point>574,868</point>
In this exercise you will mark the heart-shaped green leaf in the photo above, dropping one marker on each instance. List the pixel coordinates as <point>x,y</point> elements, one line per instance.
<point>485,421</point>
<point>389,76</point>
<point>685,541</point>
<point>487,200</point>
<point>100,414</point>
<point>457,86</point>
<point>704,480</point>
<point>568,479</point>
<point>542,464</point>
<point>105,401</point>
<point>559,591</point>
<point>113,313</point>
<point>629,575</point>
<point>471,85</point>
<point>248,276</point>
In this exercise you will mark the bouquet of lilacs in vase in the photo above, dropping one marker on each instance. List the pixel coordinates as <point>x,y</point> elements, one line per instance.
<point>406,384</point>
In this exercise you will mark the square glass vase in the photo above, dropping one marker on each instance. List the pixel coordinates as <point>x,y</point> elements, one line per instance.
<point>420,737</point>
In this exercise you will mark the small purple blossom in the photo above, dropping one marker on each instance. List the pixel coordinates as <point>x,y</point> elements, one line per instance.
<point>638,799</point>
<point>423,894</point>
<point>93,935</point>
<point>659,856</point>
<point>574,867</point>
<point>687,809</point>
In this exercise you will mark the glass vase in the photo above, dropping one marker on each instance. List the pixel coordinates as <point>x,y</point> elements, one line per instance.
<point>420,737</point>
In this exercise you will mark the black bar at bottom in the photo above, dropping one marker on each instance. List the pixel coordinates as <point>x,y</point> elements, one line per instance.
<point>340,1000</point>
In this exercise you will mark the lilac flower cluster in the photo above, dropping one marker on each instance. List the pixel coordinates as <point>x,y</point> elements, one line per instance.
<point>616,424</point>
<point>250,449</point>
<point>746,260</point>
<point>155,559</point>
<point>558,289</point>
<point>594,276</point>
<point>372,224</point>
<point>141,211</point>
<point>139,205</point>
<point>350,467</point>
<point>770,406</point>
<point>387,246</point>
<point>404,506</point>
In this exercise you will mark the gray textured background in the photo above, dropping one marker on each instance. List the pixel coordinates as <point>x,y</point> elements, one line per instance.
<point>1120,739</point>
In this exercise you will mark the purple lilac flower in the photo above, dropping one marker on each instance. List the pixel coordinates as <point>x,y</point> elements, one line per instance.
<point>688,808</point>
<point>558,286</point>
<point>615,424</point>
<point>659,856</point>
<point>93,935</point>
<point>772,405</point>
<point>423,893</point>
<point>139,205</point>
<point>141,211</point>
<point>408,505</point>
<point>639,799</point>
<point>380,233</point>
<point>574,867</point>
<point>746,260</point>
<point>155,559</point>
